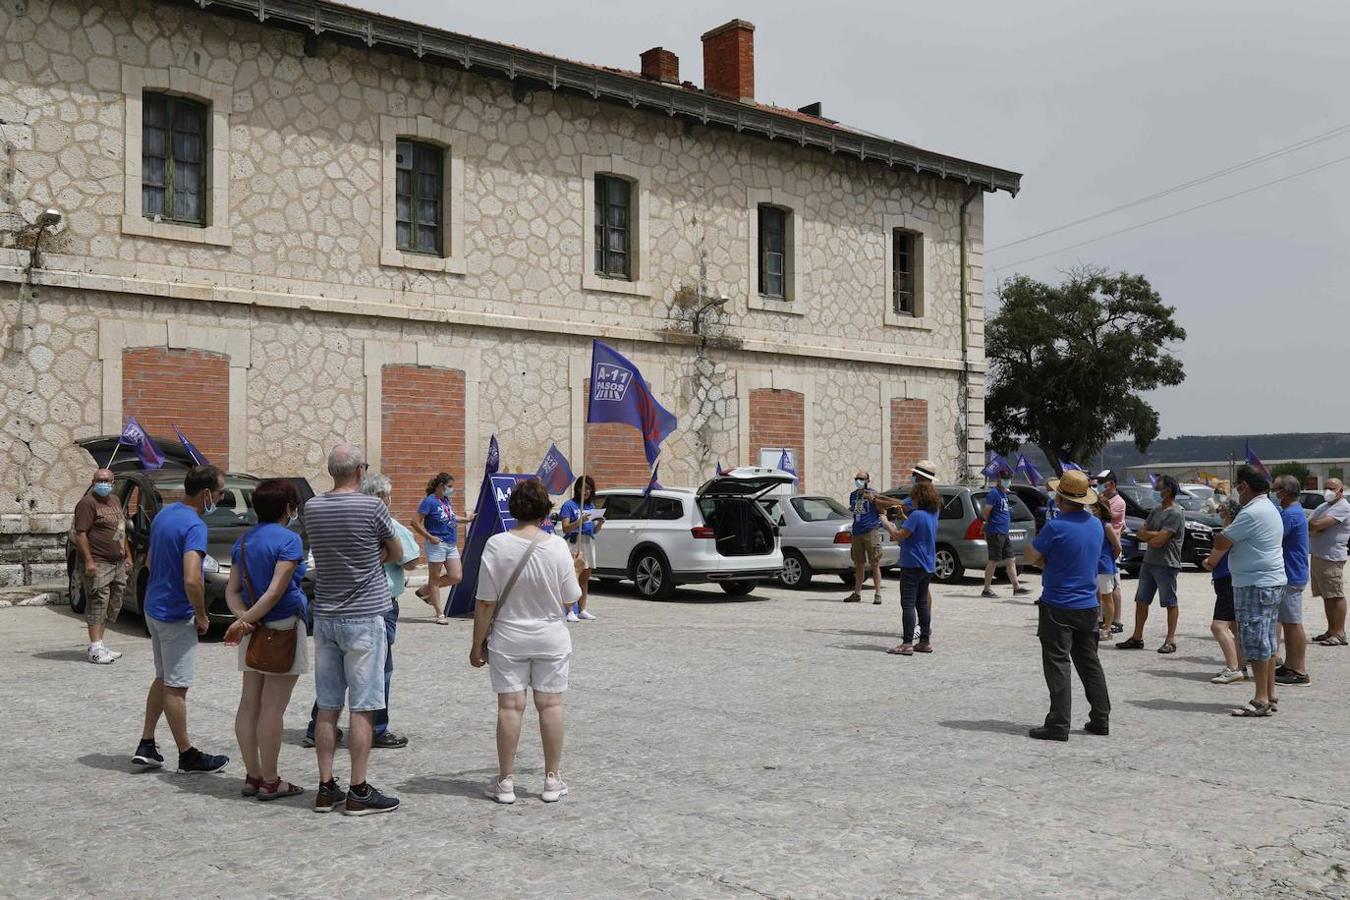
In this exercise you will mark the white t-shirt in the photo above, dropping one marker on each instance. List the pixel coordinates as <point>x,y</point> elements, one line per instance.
<point>1329,543</point>
<point>532,622</point>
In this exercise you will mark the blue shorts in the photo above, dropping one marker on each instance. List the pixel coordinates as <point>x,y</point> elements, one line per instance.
<point>1291,605</point>
<point>1160,580</point>
<point>440,552</point>
<point>1257,610</point>
<point>349,657</point>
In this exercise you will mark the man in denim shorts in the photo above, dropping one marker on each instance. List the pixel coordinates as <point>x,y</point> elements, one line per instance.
<point>1254,544</point>
<point>351,536</point>
<point>1162,534</point>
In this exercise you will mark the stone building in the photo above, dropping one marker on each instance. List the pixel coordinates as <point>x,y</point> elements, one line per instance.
<point>288,222</point>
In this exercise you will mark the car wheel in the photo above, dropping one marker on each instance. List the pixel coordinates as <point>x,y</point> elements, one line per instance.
<point>796,570</point>
<point>949,569</point>
<point>652,576</point>
<point>76,592</point>
<point>738,588</point>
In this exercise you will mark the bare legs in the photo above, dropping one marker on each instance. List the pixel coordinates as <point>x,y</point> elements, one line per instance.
<point>361,731</point>
<point>584,579</point>
<point>1225,635</point>
<point>257,724</point>
<point>171,703</point>
<point>510,714</point>
<point>1295,648</point>
<point>992,566</point>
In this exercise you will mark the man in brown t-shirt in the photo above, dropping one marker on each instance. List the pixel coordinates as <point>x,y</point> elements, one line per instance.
<point>100,535</point>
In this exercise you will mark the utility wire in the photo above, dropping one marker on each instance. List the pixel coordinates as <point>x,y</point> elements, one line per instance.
<point>1185,185</point>
<point>1180,212</point>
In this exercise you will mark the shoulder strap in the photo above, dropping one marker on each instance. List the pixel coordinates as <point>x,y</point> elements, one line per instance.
<point>243,565</point>
<point>515,574</point>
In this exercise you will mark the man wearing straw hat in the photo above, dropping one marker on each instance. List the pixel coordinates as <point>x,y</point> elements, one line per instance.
<point>1067,550</point>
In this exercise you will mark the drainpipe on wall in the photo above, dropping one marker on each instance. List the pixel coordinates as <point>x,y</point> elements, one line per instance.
<point>963,388</point>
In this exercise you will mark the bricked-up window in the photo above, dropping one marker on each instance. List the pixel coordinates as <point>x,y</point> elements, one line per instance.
<point>173,158</point>
<point>903,257</point>
<point>773,251</point>
<point>419,192</point>
<point>613,226</point>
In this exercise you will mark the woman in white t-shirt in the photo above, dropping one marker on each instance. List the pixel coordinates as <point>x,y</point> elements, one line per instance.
<point>529,646</point>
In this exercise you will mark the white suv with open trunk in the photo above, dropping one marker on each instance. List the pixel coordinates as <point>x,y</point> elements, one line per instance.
<point>717,534</point>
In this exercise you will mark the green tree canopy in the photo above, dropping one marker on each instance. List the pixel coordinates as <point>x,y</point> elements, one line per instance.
<point>1297,469</point>
<point>1069,362</point>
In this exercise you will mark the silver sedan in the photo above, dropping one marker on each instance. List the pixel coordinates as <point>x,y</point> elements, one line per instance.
<point>815,533</point>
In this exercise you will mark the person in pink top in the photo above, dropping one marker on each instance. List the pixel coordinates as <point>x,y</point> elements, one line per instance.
<point>1111,608</point>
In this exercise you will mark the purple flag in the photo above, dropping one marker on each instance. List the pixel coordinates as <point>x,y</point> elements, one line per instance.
<point>1255,462</point>
<point>1025,466</point>
<point>785,464</point>
<point>555,472</point>
<point>621,395</point>
<point>997,466</point>
<point>494,458</point>
<point>1069,466</point>
<point>136,437</point>
<point>720,471</point>
<point>1153,479</point>
<point>198,458</point>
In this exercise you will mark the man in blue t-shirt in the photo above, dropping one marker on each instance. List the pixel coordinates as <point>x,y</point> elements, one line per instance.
<point>997,514</point>
<point>1067,550</point>
<point>175,614</point>
<point>1295,547</point>
<point>867,507</point>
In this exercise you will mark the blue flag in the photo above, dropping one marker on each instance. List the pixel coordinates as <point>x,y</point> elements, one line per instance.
<point>1069,466</point>
<point>555,472</point>
<point>621,395</point>
<point>1153,479</point>
<point>785,464</point>
<point>720,471</point>
<point>1025,466</point>
<point>198,458</point>
<point>136,437</point>
<point>1255,462</point>
<point>997,466</point>
<point>1132,480</point>
<point>653,485</point>
<point>494,458</point>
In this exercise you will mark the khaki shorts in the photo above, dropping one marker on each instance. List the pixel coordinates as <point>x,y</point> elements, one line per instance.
<point>1328,578</point>
<point>103,593</point>
<point>866,548</point>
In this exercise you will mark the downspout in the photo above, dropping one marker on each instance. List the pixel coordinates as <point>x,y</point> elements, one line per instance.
<point>963,387</point>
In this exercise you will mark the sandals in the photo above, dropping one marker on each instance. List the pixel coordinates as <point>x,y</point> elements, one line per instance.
<point>1168,647</point>
<point>923,647</point>
<point>250,788</point>
<point>1332,640</point>
<point>1252,710</point>
<point>853,598</point>
<point>275,790</point>
<point>1321,637</point>
<point>1130,644</point>
<point>901,650</point>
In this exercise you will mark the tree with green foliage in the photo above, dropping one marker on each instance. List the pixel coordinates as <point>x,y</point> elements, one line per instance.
<point>1069,362</point>
<point>1297,469</point>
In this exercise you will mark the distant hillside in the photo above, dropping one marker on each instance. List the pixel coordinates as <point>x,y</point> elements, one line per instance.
<point>1201,448</point>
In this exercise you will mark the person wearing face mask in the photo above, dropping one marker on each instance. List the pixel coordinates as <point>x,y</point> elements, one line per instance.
<point>438,527</point>
<point>1328,533</point>
<point>101,537</point>
<point>865,548</point>
<point>175,614</point>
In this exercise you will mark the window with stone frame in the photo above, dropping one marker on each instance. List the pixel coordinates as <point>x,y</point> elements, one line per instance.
<point>613,227</point>
<point>419,194</point>
<point>173,158</point>
<point>904,273</point>
<point>773,226</point>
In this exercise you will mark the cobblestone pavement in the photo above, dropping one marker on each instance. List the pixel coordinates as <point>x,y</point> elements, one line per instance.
<point>715,748</point>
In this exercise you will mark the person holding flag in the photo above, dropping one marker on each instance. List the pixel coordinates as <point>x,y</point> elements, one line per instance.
<point>997,524</point>
<point>580,525</point>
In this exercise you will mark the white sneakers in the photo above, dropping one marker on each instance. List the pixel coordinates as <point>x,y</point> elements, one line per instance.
<point>572,617</point>
<point>503,790</point>
<point>1229,676</point>
<point>586,614</point>
<point>554,788</point>
<point>102,656</point>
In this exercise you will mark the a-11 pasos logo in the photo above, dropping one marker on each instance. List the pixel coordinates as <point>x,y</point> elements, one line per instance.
<point>611,382</point>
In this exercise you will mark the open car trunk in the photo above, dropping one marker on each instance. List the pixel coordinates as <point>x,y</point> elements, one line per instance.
<point>730,506</point>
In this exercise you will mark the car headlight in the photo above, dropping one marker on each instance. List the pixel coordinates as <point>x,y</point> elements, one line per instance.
<point>210,565</point>
<point>1199,528</point>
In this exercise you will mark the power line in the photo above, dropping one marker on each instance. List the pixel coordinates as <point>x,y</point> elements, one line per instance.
<point>1185,185</point>
<point>1180,212</point>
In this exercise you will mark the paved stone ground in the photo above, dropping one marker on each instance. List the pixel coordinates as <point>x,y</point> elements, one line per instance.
<point>715,748</point>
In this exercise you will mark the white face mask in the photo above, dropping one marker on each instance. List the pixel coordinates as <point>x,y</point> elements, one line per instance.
<point>860,482</point>
<point>449,492</point>
<point>1329,495</point>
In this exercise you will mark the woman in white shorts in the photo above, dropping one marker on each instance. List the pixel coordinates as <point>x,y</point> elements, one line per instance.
<point>1108,571</point>
<point>526,581</point>
<point>438,527</point>
<point>264,592</point>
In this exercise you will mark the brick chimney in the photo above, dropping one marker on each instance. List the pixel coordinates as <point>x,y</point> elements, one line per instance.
<point>729,60</point>
<point>659,64</point>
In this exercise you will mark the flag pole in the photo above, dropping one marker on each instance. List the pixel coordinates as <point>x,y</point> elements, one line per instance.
<point>116,446</point>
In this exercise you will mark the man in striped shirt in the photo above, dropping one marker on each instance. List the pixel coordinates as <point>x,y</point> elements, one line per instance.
<point>351,536</point>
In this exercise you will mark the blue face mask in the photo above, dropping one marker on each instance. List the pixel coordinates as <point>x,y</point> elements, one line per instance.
<point>102,489</point>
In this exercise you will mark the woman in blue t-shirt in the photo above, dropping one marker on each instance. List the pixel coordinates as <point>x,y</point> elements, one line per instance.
<point>1224,624</point>
<point>264,592</point>
<point>918,560</point>
<point>579,529</point>
<point>438,527</point>
<point>1108,570</point>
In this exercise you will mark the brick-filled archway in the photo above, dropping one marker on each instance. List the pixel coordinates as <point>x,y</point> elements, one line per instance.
<point>908,437</point>
<point>778,419</point>
<point>163,387</point>
<point>614,454</point>
<point>423,433</point>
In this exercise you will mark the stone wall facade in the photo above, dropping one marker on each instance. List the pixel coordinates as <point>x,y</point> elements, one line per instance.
<point>293,290</point>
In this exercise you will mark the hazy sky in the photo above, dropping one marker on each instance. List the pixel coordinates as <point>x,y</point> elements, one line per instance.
<point>1097,104</point>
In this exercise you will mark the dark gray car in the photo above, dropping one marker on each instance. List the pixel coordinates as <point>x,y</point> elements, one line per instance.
<point>960,538</point>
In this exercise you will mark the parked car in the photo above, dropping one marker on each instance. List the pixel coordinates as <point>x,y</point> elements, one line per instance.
<point>1201,526</point>
<point>1131,552</point>
<point>960,538</point>
<point>717,534</point>
<point>143,493</point>
<point>814,534</point>
<point>1310,500</point>
<point>1035,500</point>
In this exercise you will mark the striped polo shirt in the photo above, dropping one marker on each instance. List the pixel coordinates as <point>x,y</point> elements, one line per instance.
<point>345,533</point>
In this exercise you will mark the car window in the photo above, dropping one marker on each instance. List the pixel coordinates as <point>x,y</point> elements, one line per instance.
<point>1311,501</point>
<point>134,510</point>
<point>1019,510</point>
<point>665,509</point>
<point>234,508</point>
<point>773,507</point>
<point>952,508</point>
<point>620,506</point>
<point>819,509</point>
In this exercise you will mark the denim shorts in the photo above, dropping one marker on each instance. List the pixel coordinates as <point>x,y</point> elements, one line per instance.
<point>174,645</point>
<point>349,657</point>
<point>440,552</point>
<point>1160,580</point>
<point>1257,610</point>
<point>1291,605</point>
